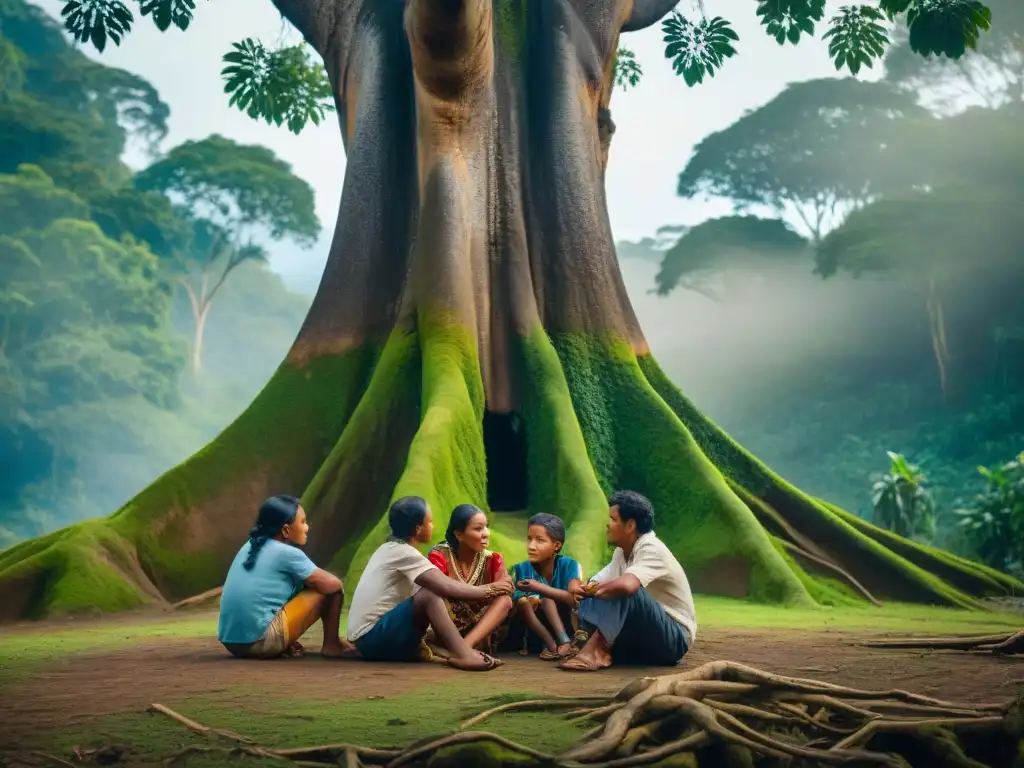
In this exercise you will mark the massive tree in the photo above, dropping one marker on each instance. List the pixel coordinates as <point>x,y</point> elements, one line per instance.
<point>472,333</point>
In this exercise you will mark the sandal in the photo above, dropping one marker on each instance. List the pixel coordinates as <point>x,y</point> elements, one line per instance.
<point>490,663</point>
<point>548,655</point>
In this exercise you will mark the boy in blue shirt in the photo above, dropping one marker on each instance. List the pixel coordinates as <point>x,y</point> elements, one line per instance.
<point>542,598</point>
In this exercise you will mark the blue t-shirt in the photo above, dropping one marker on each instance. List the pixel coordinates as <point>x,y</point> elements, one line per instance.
<point>566,569</point>
<point>251,599</point>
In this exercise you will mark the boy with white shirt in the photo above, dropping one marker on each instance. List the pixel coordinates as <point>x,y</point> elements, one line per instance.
<point>401,594</point>
<point>639,605</point>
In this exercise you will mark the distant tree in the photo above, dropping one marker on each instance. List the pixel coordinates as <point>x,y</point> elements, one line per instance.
<point>84,320</point>
<point>966,229</point>
<point>61,110</point>
<point>715,246</point>
<point>900,500</point>
<point>816,151</point>
<point>992,74</point>
<point>236,197</point>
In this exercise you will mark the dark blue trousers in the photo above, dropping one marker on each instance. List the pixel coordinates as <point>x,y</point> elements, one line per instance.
<point>638,629</point>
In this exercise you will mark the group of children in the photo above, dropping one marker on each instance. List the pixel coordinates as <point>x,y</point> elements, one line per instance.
<point>458,604</point>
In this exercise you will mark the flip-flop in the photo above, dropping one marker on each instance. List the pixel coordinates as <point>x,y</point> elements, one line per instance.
<point>490,663</point>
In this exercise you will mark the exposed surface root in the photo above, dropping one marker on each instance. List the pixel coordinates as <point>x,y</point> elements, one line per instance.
<point>202,600</point>
<point>1006,644</point>
<point>716,709</point>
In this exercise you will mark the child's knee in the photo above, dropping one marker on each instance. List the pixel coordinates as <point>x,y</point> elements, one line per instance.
<point>525,605</point>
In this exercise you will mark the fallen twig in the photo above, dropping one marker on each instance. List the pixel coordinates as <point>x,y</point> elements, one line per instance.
<point>1007,643</point>
<point>188,602</point>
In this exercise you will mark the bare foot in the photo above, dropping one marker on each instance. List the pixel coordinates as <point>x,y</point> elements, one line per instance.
<point>295,650</point>
<point>581,663</point>
<point>343,650</point>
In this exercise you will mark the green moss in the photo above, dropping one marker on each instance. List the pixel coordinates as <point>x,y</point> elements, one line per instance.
<point>823,590</point>
<point>445,463</point>
<point>510,26</point>
<point>344,508</point>
<point>483,754</point>
<point>975,578</point>
<point>866,557</point>
<point>698,515</point>
<point>559,464</point>
<point>82,568</point>
<point>281,438</point>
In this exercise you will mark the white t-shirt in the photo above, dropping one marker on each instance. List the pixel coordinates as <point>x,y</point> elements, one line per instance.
<point>388,580</point>
<point>660,574</point>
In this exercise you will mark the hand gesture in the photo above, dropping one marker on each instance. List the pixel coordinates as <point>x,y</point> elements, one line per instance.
<point>577,590</point>
<point>527,585</point>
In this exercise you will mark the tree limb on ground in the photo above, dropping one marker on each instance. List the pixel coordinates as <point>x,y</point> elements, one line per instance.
<point>720,703</point>
<point>1005,644</point>
<point>198,600</point>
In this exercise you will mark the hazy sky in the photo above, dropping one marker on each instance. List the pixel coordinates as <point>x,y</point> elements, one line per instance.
<point>658,123</point>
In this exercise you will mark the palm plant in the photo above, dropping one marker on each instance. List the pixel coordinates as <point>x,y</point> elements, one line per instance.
<point>901,502</point>
<point>994,523</point>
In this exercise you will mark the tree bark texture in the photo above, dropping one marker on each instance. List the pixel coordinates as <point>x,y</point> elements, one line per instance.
<point>473,271</point>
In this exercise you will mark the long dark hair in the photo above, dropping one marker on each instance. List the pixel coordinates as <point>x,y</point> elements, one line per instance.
<point>458,522</point>
<point>275,514</point>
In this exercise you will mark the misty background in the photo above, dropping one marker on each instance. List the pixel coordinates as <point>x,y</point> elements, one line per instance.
<point>851,290</point>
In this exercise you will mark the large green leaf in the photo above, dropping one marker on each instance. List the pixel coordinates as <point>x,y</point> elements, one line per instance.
<point>697,49</point>
<point>97,20</point>
<point>283,86</point>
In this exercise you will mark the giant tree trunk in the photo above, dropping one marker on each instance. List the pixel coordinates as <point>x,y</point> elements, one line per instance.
<point>473,279</point>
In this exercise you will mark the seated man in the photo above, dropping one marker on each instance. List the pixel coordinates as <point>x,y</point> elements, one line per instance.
<point>639,605</point>
<point>401,594</point>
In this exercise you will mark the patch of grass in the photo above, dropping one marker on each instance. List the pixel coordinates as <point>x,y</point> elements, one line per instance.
<point>280,722</point>
<point>25,649</point>
<point>720,612</point>
<point>31,645</point>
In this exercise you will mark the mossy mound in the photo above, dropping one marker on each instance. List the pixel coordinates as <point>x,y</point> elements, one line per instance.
<point>351,431</point>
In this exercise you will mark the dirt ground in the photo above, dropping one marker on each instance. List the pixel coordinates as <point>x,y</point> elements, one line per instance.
<point>68,692</point>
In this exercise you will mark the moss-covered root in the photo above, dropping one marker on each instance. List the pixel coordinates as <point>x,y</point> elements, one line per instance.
<point>562,476</point>
<point>445,461</point>
<point>886,565</point>
<point>177,537</point>
<point>636,441</point>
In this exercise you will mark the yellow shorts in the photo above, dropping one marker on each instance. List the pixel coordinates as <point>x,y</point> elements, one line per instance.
<point>291,622</point>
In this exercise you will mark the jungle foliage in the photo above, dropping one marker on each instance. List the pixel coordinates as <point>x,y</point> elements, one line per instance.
<point>912,182</point>
<point>94,330</point>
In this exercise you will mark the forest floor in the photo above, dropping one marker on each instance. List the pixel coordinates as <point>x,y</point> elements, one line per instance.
<point>87,683</point>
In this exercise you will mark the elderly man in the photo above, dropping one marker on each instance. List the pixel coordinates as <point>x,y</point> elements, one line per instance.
<point>639,606</point>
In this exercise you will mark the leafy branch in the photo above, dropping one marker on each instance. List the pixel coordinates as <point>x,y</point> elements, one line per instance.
<point>627,69</point>
<point>167,12</point>
<point>697,49</point>
<point>283,86</point>
<point>856,38</point>
<point>97,20</point>
<point>789,19</point>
